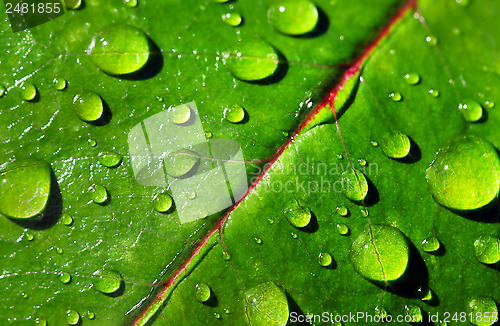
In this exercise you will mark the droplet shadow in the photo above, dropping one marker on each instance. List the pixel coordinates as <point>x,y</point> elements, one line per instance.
<point>373,196</point>
<point>278,75</point>
<point>152,67</point>
<point>52,213</point>
<point>213,301</point>
<point>105,117</point>
<point>413,156</point>
<point>118,292</point>
<point>320,28</point>
<point>312,226</point>
<point>486,214</point>
<point>294,309</point>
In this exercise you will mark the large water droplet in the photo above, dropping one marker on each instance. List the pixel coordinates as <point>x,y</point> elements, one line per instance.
<point>88,106</point>
<point>107,281</point>
<point>180,163</point>
<point>293,17</point>
<point>28,91</point>
<point>253,60</point>
<point>412,78</point>
<point>163,202</point>
<point>354,184</point>
<point>232,19</point>
<point>119,50</point>
<point>202,292</point>
<point>266,304</point>
<point>480,307</point>
<point>179,114</point>
<point>99,194</point>
<point>90,315</point>
<point>65,277</point>
<point>381,254</point>
<point>325,259</point>
<point>430,244</point>
<point>25,188</point>
<point>471,110</point>
<point>395,144</point>
<point>297,215</point>
<point>110,160</point>
<point>465,175</point>
<point>59,83</point>
<point>234,113</point>
<point>487,249</point>
<point>413,313</point>
<point>72,317</point>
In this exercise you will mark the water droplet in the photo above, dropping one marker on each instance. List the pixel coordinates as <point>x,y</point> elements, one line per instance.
<point>234,113</point>
<point>72,317</point>
<point>293,17</point>
<point>220,1</point>
<point>110,160</point>
<point>270,220</point>
<point>340,157</point>
<point>480,307</point>
<point>162,203</point>
<point>232,19</point>
<point>92,142</point>
<point>430,244</point>
<point>395,96</point>
<point>465,175</point>
<point>456,30</point>
<point>342,210</point>
<point>90,315</point>
<point>487,249</point>
<point>67,219</point>
<point>59,83</point>
<point>381,253</point>
<point>471,110</point>
<point>119,50</point>
<point>258,240</point>
<point>463,3</point>
<point>431,39</point>
<point>107,281</point>
<point>24,295</point>
<point>297,215</point>
<point>65,277</point>
<point>267,305</point>
<point>434,92</point>
<point>3,91</point>
<point>73,4</point>
<point>253,60</point>
<point>41,322</point>
<point>489,104</point>
<point>294,235</point>
<point>25,187</point>
<point>226,256</point>
<point>381,312</point>
<point>30,236</point>
<point>362,162</point>
<point>180,163</point>
<point>217,315</point>
<point>364,212</point>
<point>413,313</point>
<point>342,229</point>
<point>423,293</point>
<point>99,194</point>
<point>179,114</point>
<point>88,106</point>
<point>325,259</point>
<point>202,292</point>
<point>226,311</point>
<point>160,98</point>
<point>395,144</point>
<point>412,78</point>
<point>374,143</point>
<point>28,91</point>
<point>59,250</point>
<point>354,185</point>
<point>191,194</point>
<point>208,134</point>
<point>131,3</point>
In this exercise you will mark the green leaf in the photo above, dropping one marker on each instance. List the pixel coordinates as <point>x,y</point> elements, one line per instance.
<point>262,248</point>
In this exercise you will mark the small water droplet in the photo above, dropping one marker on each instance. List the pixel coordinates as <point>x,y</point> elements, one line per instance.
<point>65,277</point>
<point>434,92</point>
<point>325,259</point>
<point>72,317</point>
<point>99,194</point>
<point>413,313</point>
<point>217,315</point>
<point>59,83</point>
<point>396,96</point>
<point>380,254</point>
<point>25,187</point>
<point>59,250</point>
<point>220,1</point>
<point>431,39</point>
<point>119,50</point>
<point>180,163</point>
<point>412,78</point>
<point>67,219</point>
<point>90,315</point>
<point>430,244</point>
<point>208,134</point>
<point>423,293</point>
<point>202,292</point>
<point>234,113</point>
<point>30,236</point>
<point>342,210</point>
<point>253,60</point>
<point>267,305</point>
<point>163,202</point>
<point>92,142</point>
<point>73,4</point>
<point>381,312</point>
<point>456,30</point>
<point>131,3</point>
<point>232,19</point>
<point>226,256</point>
<point>480,307</point>
<point>293,17</point>
<point>258,240</point>
<point>191,194</point>
<point>362,162</point>
<point>107,281</point>
<point>294,235</point>
<point>489,104</point>
<point>3,91</point>
<point>297,215</point>
<point>226,311</point>
<point>340,157</point>
<point>465,174</point>
<point>110,160</point>
<point>270,220</point>
<point>24,295</point>
<point>179,114</point>
<point>88,106</point>
<point>487,249</point>
<point>364,212</point>
<point>463,3</point>
<point>160,98</point>
<point>395,144</point>
<point>28,91</point>
<point>354,185</point>
<point>374,143</point>
<point>471,110</point>
<point>41,322</point>
<point>342,229</point>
